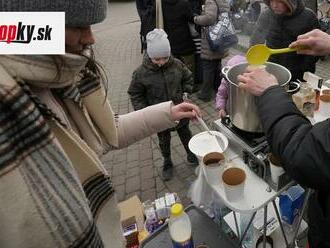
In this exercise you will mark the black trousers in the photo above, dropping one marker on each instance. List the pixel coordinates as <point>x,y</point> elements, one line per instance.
<point>211,77</point>
<point>164,139</point>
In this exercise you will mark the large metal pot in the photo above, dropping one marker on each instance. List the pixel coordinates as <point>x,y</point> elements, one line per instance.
<point>242,106</point>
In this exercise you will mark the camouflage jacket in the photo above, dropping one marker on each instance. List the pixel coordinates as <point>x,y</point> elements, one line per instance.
<point>152,84</point>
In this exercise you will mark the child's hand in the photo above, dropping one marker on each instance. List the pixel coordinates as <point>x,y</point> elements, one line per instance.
<point>222,113</point>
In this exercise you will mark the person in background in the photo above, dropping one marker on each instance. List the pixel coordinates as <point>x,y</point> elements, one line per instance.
<point>55,122</point>
<point>162,78</point>
<point>211,60</point>
<point>303,148</point>
<point>221,98</point>
<point>140,7</point>
<point>177,14</point>
<point>147,12</point>
<point>196,6</point>
<point>280,25</point>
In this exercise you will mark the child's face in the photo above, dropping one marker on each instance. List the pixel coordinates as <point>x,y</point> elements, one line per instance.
<point>160,61</point>
<point>279,7</point>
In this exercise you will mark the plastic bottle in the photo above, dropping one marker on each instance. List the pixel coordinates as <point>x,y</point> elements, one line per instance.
<point>180,227</point>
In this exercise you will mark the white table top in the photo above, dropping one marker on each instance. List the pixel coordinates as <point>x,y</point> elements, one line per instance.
<point>257,192</point>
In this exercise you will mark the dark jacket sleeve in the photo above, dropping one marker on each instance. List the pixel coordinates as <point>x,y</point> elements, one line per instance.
<point>304,149</point>
<point>188,12</point>
<point>259,34</point>
<point>137,92</point>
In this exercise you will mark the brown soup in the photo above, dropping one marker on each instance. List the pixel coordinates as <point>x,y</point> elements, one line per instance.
<point>233,176</point>
<point>213,158</point>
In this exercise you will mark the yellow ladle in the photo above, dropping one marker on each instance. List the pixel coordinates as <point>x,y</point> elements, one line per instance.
<point>259,54</point>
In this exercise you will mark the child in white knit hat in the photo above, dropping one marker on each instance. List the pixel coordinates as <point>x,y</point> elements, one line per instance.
<point>161,78</point>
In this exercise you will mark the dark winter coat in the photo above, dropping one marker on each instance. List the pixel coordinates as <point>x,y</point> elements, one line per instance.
<point>279,31</point>
<point>196,6</point>
<point>305,152</point>
<point>147,12</point>
<point>177,14</point>
<point>140,7</point>
<point>152,84</point>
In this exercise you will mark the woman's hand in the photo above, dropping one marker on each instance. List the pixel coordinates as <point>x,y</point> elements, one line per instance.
<point>184,110</point>
<point>314,42</point>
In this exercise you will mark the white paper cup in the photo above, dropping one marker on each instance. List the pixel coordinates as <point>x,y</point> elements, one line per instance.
<point>324,107</point>
<point>233,179</point>
<point>276,170</point>
<point>213,165</point>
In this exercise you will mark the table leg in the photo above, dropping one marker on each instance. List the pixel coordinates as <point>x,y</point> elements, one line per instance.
<point>280,222</point>
<point>308,193</point>
<point>265,226</point>
<point>236,224</point>
<point>247,228</point>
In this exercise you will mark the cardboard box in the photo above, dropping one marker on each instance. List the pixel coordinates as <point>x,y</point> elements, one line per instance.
<point>132,207</point>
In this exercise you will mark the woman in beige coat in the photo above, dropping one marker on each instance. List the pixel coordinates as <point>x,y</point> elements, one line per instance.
<point>211,60</point>
<point>54,121</point>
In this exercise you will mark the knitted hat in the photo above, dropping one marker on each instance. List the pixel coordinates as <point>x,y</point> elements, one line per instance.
<point>78,13</point>
<point>158,45</point>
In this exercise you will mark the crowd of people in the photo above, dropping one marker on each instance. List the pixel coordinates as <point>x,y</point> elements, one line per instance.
<point>56,119</point>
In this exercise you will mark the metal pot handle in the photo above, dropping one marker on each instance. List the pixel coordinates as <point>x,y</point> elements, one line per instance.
<point>224,71</point>
<point>295,89</point>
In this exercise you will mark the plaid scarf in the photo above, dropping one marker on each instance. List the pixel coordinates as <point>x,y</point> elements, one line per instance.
<point>49,199</point>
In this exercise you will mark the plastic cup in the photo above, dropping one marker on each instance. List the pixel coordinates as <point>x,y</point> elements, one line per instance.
<point>213,164</point>
<point>233,179</point>
<point>276,170</point>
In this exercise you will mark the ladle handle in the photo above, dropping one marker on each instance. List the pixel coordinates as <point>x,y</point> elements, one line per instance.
<point>283,50</point>
<point>202,122</point>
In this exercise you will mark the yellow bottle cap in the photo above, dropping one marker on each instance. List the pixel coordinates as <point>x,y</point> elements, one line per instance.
<point>176,209</point>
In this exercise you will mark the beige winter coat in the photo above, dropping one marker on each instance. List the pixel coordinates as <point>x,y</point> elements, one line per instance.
<point>207,18</point>
<point>57,193</point>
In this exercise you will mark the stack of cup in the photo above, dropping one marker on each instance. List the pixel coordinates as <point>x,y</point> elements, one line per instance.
<point>233,178</point>
<point>276,170</point>
<point>213,164</point>
<point>324,107</point>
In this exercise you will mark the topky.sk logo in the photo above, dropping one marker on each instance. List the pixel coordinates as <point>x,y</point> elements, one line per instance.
<point>32,33</point>
<point>23,33</point>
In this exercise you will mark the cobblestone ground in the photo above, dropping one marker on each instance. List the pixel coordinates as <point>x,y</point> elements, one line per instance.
<point>136,170</point>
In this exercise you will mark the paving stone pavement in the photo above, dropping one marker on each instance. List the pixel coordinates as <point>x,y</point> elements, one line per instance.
<point>136,170</point>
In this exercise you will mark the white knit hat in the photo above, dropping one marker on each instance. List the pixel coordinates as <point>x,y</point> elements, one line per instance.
<point>158,45</point>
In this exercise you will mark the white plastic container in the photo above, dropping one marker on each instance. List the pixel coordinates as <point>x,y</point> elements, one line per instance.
<point>203,143</point>
<point>180,228</point>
